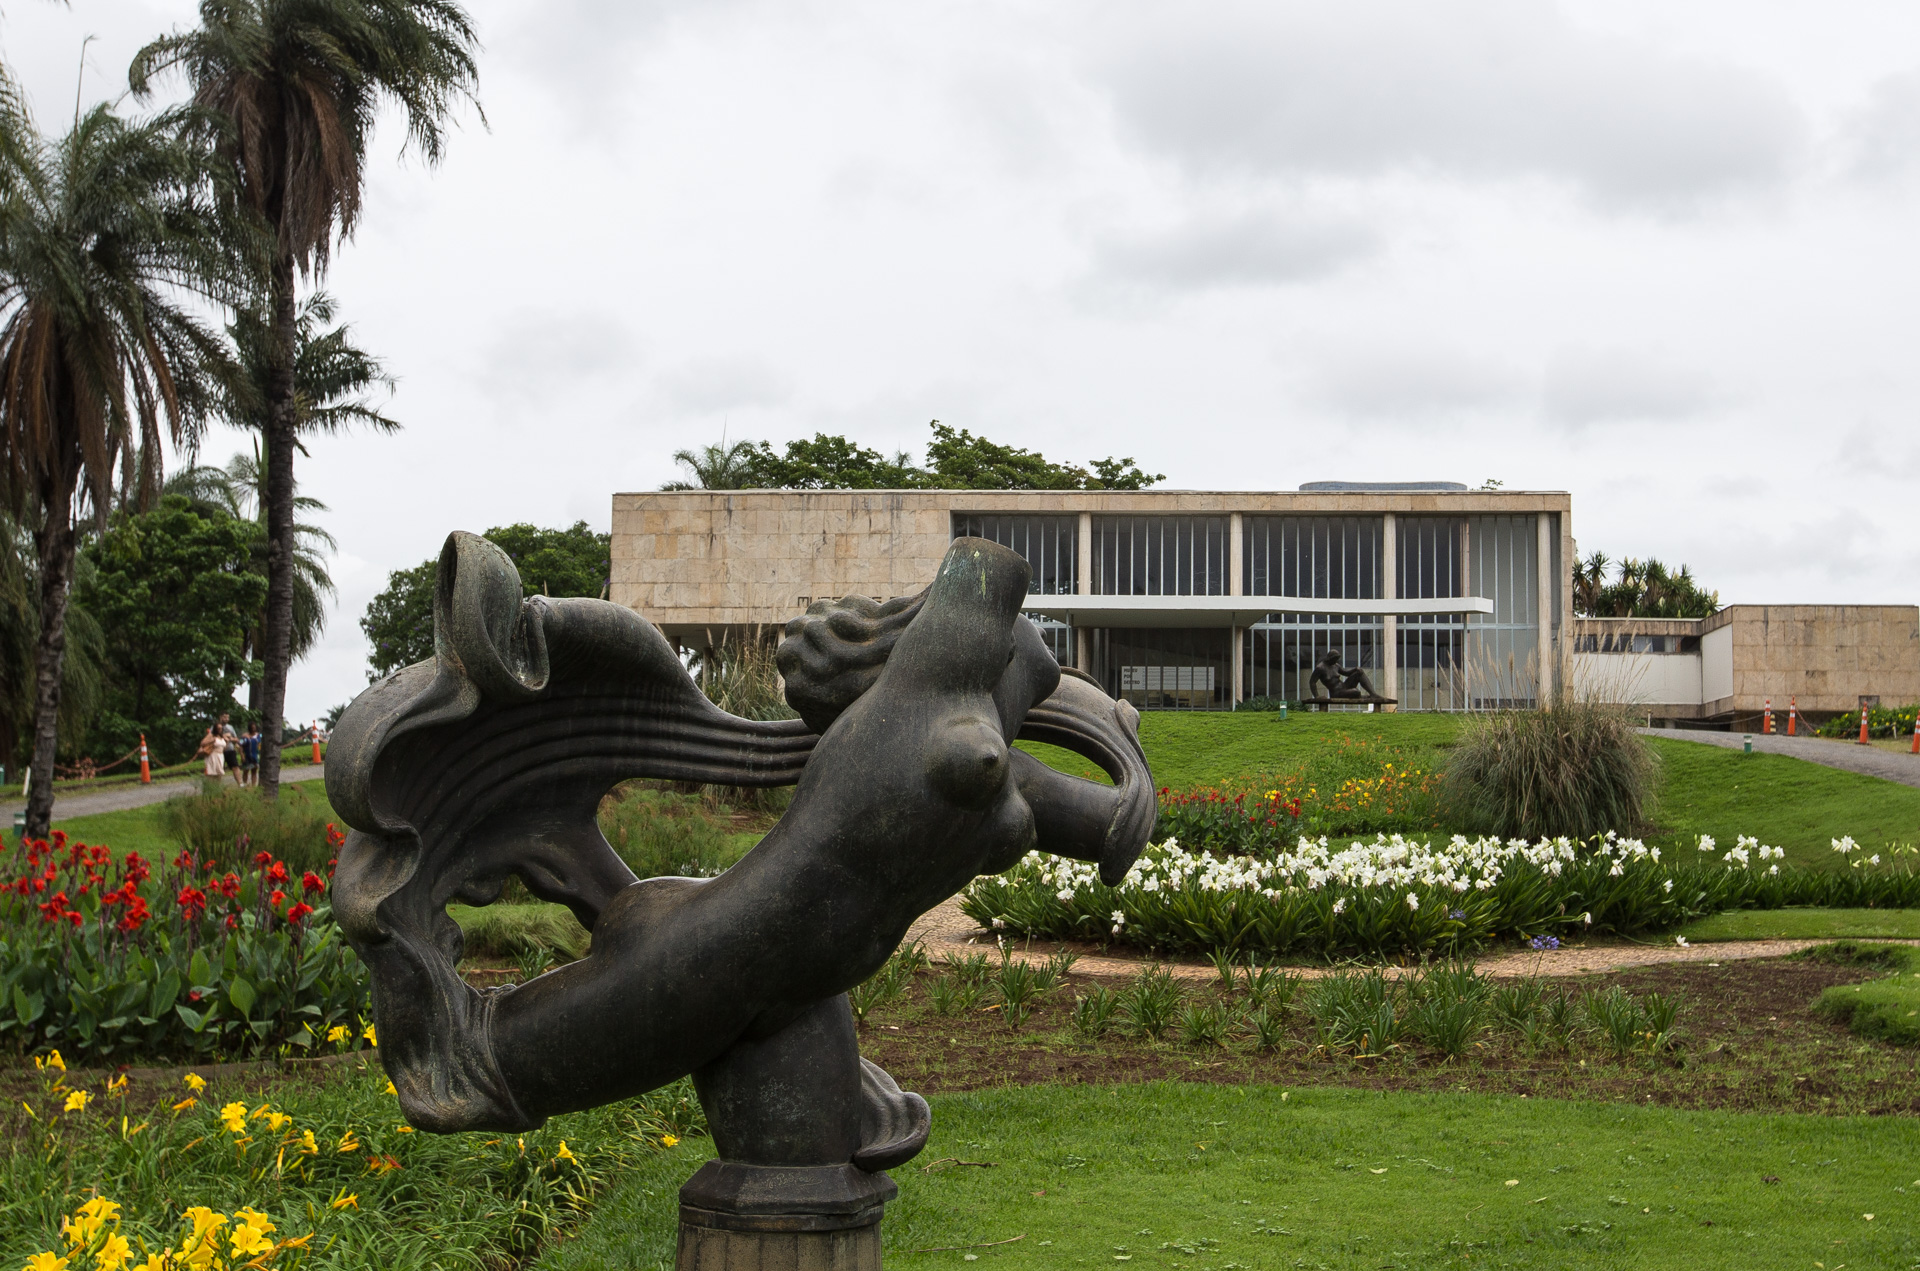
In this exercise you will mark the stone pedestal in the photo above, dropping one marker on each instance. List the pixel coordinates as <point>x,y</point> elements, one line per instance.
<point>736,1217</point>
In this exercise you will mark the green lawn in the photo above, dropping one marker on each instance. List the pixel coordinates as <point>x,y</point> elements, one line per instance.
<point>138,829</point>
<point>1806,924</point>
<point>1192,1176</point>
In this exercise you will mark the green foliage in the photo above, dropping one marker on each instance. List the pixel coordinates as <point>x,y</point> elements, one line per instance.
<point>1882,721</point>
<point>228,824</point>
<point>569,562</point>
<point>661,832</point>
<point>1641,589</point>
<point>1576,769</point>
<point>80,669</point>
<point>1887,1009</point>
<point>1398,898</point>
<point>399,620</point>
<point>509,931</point>
<point>409,1202</point>
<point>956,460</point>
<point>184,960</point>
<point>175,592</point>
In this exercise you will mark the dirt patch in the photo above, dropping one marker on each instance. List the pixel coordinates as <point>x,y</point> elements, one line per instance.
<point>1751,1043</point>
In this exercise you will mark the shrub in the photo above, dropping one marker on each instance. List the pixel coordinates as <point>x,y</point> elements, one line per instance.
<point>663,833</point>
<point>189,961</point>
<point>1576,768</point>
<point>219,823</point>
<point>1352,786</point>
<point>1886,1009</point>
<point>1882,721</point>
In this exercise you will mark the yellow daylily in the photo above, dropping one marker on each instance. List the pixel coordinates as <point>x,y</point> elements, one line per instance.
<point>347,1143</point>
<point>52,1061</point>
<point>338,1033</point>
<point>249,1242</point>
<point>184,1104</point>
<point>114,1254</point>
<point>195,1082</point>
<point>234,1117</point>
<point>669,1140</point>
<point>277,1119</point>
<point>254,1218</point>
<point>118,1085</point>
<point>346,1200</point>
<point>370,1038</point>
<point>564,1154</point>
<point>156,1262</point>
<point>308,1144</point>
<point>45,1262</point>
<point>77,1100</point>
<point>392,1089</point>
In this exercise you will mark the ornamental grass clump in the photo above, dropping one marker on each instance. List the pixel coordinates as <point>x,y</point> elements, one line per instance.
<point>1575,769</point>
<point>109,957</point>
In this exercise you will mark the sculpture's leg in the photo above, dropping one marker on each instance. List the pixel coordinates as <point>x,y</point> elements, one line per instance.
<point>1358,678</point>
<point>803,1126</point>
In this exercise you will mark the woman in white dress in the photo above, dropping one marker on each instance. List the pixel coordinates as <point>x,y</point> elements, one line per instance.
<point>213,748</point>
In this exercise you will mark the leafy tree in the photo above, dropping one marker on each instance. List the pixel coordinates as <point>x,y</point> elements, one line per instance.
<point>1640,589</point>
<point>956,460</point>
<point>235,491</point>
<point>296,86</point>
<point>175,591</point>
<point>569,562</point>
<point>399,621</point>
<point>106,237</point>
<point>962,461</point>
<point>829,463</point>
<point>716,467</point>
<point>19,629</point>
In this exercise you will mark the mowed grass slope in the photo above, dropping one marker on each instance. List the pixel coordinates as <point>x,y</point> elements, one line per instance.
<point>1179,1175</point>
<point>1784,802</point>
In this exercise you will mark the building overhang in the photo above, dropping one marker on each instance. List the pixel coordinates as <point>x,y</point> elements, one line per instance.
<point>1230,611</point>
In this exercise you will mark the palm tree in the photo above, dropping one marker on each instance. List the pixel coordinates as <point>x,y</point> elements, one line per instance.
<point>104,233</point>
<point>235,491</point>
<point>715,467</point>
<point>331,377</point>
<point>297,85</point>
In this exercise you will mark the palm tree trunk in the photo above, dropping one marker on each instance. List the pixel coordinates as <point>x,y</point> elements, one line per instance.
<point>276,655</point>
<point>55,543</point>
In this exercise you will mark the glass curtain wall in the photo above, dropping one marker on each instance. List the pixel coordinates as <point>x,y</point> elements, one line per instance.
<point>1051,547</point>
<point>1503,650</point>
<point>1430,563</point>
<point>1165,669</point>
<point>1160,555</point>
<point>1327,558</point>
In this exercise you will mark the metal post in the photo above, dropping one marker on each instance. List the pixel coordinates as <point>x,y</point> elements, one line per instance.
<point>1543,597</point>
<point>1389,623</point>
<point>1083,586</point>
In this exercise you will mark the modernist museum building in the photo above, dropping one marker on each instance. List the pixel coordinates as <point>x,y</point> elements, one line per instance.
<point>1448,598</point>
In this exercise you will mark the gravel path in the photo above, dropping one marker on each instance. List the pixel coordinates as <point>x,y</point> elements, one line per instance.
<point>946,931</point>
<point>122,798</point>
<point>1868,760</point>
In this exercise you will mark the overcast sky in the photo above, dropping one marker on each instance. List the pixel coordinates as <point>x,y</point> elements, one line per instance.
<point>1662,256</point>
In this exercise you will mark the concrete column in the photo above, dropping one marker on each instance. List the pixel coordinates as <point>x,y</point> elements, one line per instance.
<point>1545,598</point>
<point>1083,585</point>
<point>1236,556</point>
<point>1237,647</point>
<point>1390,624</point>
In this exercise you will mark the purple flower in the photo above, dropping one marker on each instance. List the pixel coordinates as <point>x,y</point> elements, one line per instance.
<point>1545,942</point>
<point>1457,915</point>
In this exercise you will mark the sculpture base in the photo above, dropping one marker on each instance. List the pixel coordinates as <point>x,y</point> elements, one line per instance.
<point>736,1217</point>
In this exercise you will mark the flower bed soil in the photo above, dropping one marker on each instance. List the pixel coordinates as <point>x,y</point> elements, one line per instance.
<point>1751,1044</point>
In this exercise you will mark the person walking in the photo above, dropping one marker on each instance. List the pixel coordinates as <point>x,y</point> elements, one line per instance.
<point>213,749</point>
<point>250,757</point>
<point>230,743</point>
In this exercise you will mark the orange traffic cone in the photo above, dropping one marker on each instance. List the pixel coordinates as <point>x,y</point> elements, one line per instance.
<point>316,741</point>
<point>1865,714</point>
<point>146,773</point>
<point>1793,714</point>
<point>1766,717</point>
<point>1916,733</point>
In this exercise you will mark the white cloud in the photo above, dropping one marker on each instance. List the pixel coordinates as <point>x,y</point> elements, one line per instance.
<point>1882,135</point>
<point>709,385</point>
<point>1475,89</point>
<point>1386,383</point>
<point>1247,249</point>
<point>1586,386</point>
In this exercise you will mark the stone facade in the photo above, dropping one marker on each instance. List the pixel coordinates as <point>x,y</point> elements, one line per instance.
<point>701,563</point>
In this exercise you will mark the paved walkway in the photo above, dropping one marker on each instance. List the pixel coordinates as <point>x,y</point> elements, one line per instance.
<point>67,804</point>
<point>946,932</point>
<point>1869,760</point>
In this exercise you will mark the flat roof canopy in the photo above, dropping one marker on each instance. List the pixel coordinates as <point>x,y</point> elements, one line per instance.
<point>1229,611</point>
